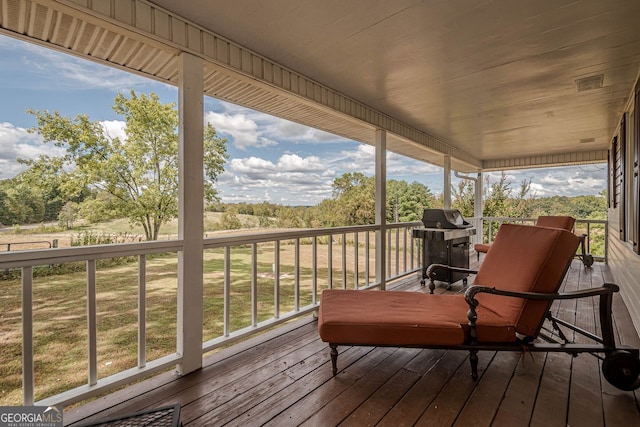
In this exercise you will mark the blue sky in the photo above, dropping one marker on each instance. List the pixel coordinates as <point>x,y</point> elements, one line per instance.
<point>269,158</point>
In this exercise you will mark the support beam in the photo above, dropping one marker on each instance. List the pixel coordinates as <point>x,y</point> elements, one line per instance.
<point>381,207</point>
<point>477,204</point>
<point>478,207</point>
<point>190,213</point>
<point>447,182</point>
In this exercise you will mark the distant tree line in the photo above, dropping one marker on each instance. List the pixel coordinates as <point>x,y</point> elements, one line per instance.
<point>501,199</point>
<point>353,203</point>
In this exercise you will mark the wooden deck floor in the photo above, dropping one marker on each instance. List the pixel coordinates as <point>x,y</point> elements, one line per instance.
<point>284,379</point>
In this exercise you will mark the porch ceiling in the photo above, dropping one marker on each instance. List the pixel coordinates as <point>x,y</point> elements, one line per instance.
<point>492,84</point>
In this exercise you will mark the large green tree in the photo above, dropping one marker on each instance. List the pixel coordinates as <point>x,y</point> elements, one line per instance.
<point>140,171</point>
<point>406,202</point>
<point>20,203</point>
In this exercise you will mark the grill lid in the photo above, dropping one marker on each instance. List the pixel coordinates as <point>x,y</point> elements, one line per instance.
<point>443,218</point>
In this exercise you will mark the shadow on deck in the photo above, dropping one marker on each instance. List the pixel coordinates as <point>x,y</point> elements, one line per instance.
<point>283,378</point>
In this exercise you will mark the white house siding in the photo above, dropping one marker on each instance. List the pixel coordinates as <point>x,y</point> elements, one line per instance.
<point>625,268</point>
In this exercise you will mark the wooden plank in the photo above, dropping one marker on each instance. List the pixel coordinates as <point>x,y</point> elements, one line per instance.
<point>333,389</point>
<point>304,386</point>
<point>425,361</point>
<point>407,411</point>
<point>379,403</point>
<point>585,403</point>
<point>483,403</point>
<point>237,399</point>
<point>340,408</point>
<point>517,405</point>
<point>232,395</point>
<point>444,409</point>
<point>550,407</point>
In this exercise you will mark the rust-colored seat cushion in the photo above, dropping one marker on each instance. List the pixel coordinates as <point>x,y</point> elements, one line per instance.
<point>556,221</point>
<point>525,259</point>
<point>482,247</point>
<point>522,258</point>
<point>404,319</point>
<point>551,221</point>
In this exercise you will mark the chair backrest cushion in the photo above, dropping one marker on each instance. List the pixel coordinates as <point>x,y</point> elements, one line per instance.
<point>556,221</point>
<point>525,259</point>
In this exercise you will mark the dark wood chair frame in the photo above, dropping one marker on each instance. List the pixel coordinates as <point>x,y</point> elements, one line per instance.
<point>621,364</point>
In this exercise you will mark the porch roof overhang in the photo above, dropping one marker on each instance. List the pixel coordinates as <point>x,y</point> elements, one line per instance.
<point>493,85</point>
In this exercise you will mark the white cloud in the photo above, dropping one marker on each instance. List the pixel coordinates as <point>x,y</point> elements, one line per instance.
<point>295,132</point>
<point>115,129</point>
<point>242,129</point>
<point>251,165</point>
<point>69,71</point>
<point>17,142</point>
<point>295,163</point>
<point>249,128</point>
<point>292,180</point>
<point>562,181</point>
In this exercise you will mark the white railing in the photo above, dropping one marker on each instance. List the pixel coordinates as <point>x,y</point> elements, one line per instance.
<point>297,263</point>
<point>348,255</point>
<point>594,229</point>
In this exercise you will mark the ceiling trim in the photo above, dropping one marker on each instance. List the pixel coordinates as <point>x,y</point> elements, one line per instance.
<point>563,159</point>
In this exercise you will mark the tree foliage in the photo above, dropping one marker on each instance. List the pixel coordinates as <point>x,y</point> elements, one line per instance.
<point>353,202</point>
<point>140,172</point>
<point>406,201</point>
<point>20,203</point>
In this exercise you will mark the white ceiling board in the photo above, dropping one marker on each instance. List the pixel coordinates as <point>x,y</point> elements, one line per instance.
<point>494,79</point>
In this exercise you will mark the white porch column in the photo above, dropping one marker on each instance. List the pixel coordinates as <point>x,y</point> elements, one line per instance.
<point>190,213</point>
<point>477,207</point>
<point>381,207</point>
<point>447,182</point>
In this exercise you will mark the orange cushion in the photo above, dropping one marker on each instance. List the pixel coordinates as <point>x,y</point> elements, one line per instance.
<point>482,247</point>
<point>404,319</point>
<point>525,259</point>
<point>555,221</point>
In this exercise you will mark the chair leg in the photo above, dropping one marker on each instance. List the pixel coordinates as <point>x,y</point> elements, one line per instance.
<point>334,358</point>
<point>473,359</point>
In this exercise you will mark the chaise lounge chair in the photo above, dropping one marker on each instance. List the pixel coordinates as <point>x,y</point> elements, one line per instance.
<point>503,311</point>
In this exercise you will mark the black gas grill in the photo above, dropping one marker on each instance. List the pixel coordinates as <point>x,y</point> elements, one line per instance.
<point>445,240</point>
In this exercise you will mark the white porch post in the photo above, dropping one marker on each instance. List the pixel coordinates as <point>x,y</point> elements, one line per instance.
<point>190,213</point>
<point>477,208</point>
<point>447,182</point>
<point>381,207</point>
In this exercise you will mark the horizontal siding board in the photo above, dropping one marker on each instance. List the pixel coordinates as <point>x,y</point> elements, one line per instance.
<point>625,269</point>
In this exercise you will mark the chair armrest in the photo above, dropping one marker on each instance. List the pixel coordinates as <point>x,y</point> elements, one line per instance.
<point>432,270</point>
<point>607,288</point>
<point>606,299</point>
